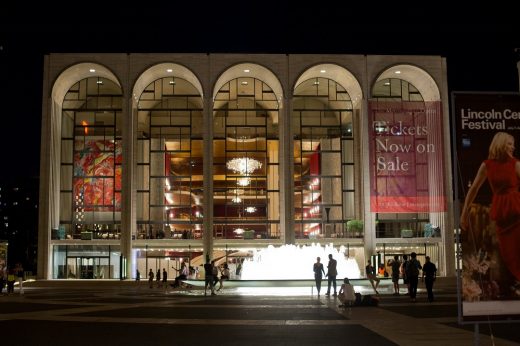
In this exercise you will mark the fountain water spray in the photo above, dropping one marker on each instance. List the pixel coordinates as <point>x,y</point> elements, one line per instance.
<point>294,262</point>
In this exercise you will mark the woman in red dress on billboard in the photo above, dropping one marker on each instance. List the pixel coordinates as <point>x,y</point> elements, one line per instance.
<point>502,171</point>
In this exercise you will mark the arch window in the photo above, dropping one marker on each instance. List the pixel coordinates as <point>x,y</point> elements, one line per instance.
<point>324,188</point>
<point>169,161</point>
<point>91,156</point>
<point>397,225</point>
<point>246,168</point>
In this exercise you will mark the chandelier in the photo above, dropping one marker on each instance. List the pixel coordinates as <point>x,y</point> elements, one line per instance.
<point>250,209</point>
<point>243,165</point>
<point>243,181</point>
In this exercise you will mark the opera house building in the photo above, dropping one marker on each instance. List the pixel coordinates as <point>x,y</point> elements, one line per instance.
<point>261,161</point>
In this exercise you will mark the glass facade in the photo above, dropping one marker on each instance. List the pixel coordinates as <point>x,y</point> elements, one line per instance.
<point>245,161</point>
<point>324,189</point>
<point>91,157</point>
<point>169,161</point>
<point>283,162</point>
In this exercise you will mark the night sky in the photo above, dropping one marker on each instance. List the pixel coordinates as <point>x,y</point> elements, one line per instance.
<point>478,42</point>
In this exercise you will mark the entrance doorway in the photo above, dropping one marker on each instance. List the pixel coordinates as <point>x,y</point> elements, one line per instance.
<point>89,268</point>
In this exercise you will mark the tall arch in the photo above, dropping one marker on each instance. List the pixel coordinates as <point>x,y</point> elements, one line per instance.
<point>84,166</point>
<point>407,192</point>
<point>246,147</point>
<point>325,121</point>
<point>169,162</point>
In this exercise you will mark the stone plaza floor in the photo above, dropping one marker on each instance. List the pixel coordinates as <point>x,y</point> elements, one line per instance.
<point>99,313</point>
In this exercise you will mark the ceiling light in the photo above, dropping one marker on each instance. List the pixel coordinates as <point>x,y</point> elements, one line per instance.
<point>92,70</point>
<point>323,71</point>
<point>247,70</point>
<point>169,70</point>
<point>397,72</point>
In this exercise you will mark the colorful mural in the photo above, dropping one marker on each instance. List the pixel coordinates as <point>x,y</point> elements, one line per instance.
<point>97,175</point>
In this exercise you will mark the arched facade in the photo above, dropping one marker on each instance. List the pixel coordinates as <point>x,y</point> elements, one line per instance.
<point>175,157</point>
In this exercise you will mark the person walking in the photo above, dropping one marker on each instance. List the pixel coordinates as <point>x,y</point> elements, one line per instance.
<point>372,277</point>
<point>318,271</point>
<point>429,274</point>
<point>396,269</point>
<point>412,272</point>
<point>158,277</point>
<point>332,272</point>
<point>137,275</point>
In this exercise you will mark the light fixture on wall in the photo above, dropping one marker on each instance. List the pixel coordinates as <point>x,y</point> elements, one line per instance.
<point>243,165</point>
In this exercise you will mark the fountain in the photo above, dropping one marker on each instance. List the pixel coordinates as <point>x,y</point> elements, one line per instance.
<point>293,262</point>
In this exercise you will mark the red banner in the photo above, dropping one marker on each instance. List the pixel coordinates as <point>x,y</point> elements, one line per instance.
<point>406,157</point>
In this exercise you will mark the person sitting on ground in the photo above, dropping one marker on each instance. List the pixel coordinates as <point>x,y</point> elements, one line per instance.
<point>346,295</point>
<point>224,275</point>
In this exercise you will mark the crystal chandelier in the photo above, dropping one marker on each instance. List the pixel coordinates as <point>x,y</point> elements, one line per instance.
<point>243,165</point>
<point>250,209</point>
<point>243,181</point>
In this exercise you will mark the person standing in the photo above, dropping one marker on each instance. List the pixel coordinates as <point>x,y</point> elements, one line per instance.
<point>396,268</point>
<point>11,277</point>
<point>412,272</point>
<point>318,271</point>
<point>332,272</point>
<point>150,278</point>
<point>158,277</point>
<point>403,273</point>
<point>372,277</point>
<point>137,275</point>
<point>429,273</point>
<point>208,277</point>
<point>164,278</point>
<point>19,276</point>
<point>3,277</point>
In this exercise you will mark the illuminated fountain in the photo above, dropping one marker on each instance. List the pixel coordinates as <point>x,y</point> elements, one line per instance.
<point>292,262</point>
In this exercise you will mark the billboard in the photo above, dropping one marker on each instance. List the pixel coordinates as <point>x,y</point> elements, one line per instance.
<point>406,157</point>
<point>487,127</point>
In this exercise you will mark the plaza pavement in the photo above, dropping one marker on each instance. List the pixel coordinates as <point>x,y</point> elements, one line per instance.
<point>99,313</point>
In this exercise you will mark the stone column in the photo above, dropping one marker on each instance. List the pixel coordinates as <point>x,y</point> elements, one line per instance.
<point>207,233</point>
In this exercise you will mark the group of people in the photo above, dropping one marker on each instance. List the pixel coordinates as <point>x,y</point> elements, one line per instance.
<point>408,270</point>
<point>211,278</point>
<point>331,274</point>
<point>9,276</point>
